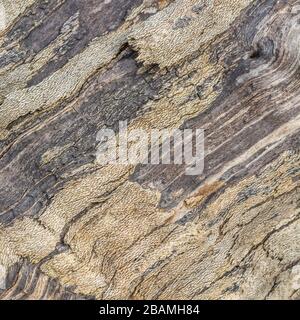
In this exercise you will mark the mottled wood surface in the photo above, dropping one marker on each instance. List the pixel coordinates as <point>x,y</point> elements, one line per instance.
<point>73,229</point>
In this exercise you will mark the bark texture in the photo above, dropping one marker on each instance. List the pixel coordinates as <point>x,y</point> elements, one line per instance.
<point>71,228</point>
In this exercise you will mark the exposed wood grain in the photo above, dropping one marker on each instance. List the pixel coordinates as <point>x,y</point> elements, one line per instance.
<point>71,228</point>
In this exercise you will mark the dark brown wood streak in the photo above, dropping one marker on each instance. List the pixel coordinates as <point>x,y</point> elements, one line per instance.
<point>71,228</point>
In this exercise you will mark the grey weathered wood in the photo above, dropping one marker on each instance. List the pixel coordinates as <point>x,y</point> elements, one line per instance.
<point>69,68</point>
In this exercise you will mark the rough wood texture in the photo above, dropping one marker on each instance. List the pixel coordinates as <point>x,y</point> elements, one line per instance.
<point>73,229</point>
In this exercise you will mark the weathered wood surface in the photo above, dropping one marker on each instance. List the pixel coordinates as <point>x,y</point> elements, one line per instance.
<point>73,229</point>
